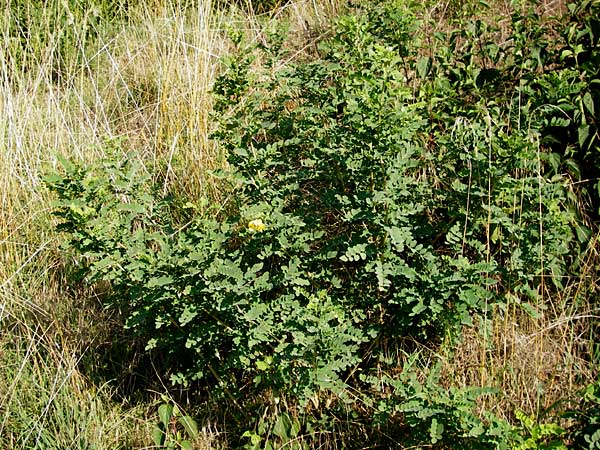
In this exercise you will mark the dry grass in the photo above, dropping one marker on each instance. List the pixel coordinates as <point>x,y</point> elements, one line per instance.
<point>46,403</point>
<point>535,360</point>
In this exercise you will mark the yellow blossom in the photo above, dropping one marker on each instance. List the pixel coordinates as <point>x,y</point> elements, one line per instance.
<point>256,225</point>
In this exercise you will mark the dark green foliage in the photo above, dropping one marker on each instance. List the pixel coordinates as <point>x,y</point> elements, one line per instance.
<point>585,432</point>
<point>559,91</point>
<point>380,194</point>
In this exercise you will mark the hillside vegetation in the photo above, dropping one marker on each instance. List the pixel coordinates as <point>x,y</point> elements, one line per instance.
<point>300,224</point>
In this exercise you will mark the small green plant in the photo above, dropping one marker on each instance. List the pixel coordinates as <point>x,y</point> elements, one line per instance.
<point>585,432</point>
<point>174,429</point>
<point>280,431</point>
<point>538,435</point>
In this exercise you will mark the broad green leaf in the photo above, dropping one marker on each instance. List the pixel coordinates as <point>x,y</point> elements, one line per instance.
<point>282,427</point>
<point>158,435</point>
<point>165,412</point>
<point>424,66</point>
<point>190,426</point>
<point>263,365</point>
<point>588,101</point>
<point>583,133</point>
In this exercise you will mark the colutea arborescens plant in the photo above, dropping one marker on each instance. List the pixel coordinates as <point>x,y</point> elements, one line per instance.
<point>380,195</point>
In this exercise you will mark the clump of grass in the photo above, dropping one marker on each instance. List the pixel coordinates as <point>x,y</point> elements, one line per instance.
<point>536,358</point>
<point>47,404</point>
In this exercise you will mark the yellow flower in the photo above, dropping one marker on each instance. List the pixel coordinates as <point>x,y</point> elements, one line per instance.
<point>256,225</point>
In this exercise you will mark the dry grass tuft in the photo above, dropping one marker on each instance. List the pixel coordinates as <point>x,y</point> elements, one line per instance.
<point>534,360</point>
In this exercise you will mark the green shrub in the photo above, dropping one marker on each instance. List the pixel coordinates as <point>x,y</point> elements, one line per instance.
<point>376,219</point>
<point>377,194</point>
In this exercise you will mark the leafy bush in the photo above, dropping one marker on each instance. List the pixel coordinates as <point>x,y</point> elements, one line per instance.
<point>378,194</point>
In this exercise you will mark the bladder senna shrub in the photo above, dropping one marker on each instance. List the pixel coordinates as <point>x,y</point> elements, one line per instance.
<point>395,209</point>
